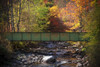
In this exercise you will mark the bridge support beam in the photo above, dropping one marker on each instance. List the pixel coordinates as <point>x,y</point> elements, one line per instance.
<point>44,36</point>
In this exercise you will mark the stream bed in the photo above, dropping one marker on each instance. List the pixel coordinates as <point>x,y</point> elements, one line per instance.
<point>53,55</point>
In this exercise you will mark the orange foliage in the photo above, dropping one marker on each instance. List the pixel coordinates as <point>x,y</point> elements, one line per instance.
<point>69,16</point>
<point>84,4</point>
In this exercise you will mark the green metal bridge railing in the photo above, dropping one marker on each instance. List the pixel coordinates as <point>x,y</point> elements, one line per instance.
<point>44,36</point>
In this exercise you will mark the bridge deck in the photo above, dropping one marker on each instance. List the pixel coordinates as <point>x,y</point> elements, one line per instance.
<point>41,36</point>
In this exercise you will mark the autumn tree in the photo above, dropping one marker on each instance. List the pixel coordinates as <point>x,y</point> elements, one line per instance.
<point>83,6</point>
<point>56,23</point>
<point>34,16</point>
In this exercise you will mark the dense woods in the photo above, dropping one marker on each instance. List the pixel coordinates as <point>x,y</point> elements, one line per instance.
<point>44,15</point>
<point>53,16</point>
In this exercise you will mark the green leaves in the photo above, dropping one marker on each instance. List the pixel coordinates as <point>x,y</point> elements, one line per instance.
<point>34,16</point>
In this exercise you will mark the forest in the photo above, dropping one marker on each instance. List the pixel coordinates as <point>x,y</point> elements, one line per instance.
<point>50,16</point>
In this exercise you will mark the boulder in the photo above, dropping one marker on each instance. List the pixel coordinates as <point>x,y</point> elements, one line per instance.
<point>49,59</point>
<point>79,65</point>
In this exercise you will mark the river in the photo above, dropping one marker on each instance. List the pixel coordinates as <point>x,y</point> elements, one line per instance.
<point>50,55</point>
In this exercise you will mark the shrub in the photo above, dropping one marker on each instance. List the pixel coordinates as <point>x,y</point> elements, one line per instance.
<point>5,51</point>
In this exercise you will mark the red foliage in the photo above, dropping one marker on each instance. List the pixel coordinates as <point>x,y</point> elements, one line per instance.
<point>56,25</point>
<point>45,1</point>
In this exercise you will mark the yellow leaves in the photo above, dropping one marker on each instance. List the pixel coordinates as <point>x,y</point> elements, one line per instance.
<point>92,3</point>
<point>54,10</point>
<point>59,15</point>
<point>48,23</point>
<point>75,26</point>
<point>38,14</point>
<point>68,30</point>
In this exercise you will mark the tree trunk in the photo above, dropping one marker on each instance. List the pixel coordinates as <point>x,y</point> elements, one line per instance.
<point>8,24</point>
<point>80,19</point>
<point>12,16</point>
<point>19,16</point>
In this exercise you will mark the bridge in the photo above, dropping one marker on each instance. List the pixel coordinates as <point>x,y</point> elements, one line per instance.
<point>44,36</point>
